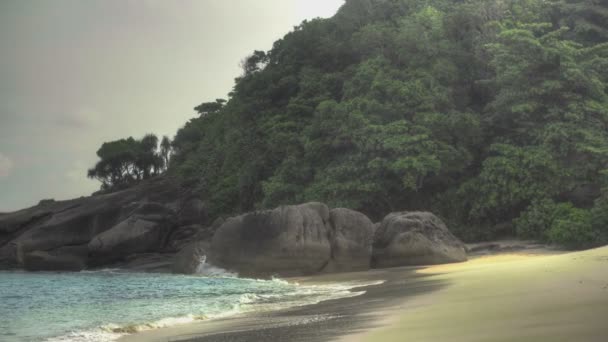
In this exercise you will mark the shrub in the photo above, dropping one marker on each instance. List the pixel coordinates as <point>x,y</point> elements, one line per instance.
<point>565,225</point>
<point>536,220</point>
<point>599,219</point>
<point>573,229</point>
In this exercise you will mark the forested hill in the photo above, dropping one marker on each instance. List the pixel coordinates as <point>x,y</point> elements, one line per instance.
<point>492,114</point>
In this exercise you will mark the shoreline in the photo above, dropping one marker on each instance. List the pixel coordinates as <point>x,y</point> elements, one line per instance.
<point>381,307</point>
<point>313,322</point>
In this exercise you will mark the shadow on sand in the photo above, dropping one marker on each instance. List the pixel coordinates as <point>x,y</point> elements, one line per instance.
<point>329,319</point>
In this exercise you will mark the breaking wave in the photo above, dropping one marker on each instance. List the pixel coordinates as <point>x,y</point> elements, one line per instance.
<point>103,306</point>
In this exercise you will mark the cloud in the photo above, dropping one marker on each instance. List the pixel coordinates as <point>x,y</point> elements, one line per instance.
<point>6,165</point>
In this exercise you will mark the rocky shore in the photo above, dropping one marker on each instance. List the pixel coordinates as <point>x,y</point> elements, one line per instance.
<point>159,226</point>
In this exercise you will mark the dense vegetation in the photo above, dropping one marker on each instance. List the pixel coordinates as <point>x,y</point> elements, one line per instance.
<point>492,114</point>
<point>124,162</point>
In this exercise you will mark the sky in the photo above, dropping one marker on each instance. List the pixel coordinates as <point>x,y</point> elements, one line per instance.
<point>74,74</point>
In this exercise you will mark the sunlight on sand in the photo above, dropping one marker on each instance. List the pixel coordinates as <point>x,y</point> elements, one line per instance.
<point>513,297</point>
<point>479,262</point>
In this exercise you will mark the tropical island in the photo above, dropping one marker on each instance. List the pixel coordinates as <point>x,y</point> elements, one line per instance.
<point>397,133</point>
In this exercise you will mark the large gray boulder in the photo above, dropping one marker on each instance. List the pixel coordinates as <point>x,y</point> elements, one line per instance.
<point>184,235</point>
<point>62,259</point>
<point>189,259</point>
<point>351,237</point>
<point>147,262</point>
<point>51,225</point>
<point>72,226</point>
<point>192,211</point>
<point>415,238</point>
<point>132,236</point>
<point>287,241</point>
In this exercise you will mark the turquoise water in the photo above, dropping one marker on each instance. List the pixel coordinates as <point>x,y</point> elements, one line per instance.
<point>104,305</point>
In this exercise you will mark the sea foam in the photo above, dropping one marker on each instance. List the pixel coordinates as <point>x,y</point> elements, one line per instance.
<point>103,306</point>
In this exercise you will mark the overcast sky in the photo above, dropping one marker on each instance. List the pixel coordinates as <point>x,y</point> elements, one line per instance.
<point>75,73</point>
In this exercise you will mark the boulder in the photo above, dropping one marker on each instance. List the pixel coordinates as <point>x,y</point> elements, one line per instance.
<point>131,236</point>
<point>45,261</point>
<point>351,237</point>
<point>81,251</point>
<point>147,262</point>
<point>75,225</point>
<point>182,236</point>
<point>415,238</point>
<point>287,241</point>
<point>193,211</point>
<point>152,211</point>
<point>376,226</point>
<point>53,224</point>
<point>188,260</point>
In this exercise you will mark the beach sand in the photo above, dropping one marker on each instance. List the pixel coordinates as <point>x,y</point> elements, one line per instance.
<point>508,297</point>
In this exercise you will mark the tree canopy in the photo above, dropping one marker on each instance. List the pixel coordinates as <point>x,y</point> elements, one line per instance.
<point>492,114</point>
<point>126,161</point>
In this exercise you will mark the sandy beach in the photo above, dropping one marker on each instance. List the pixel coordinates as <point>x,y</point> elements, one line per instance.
<point>524,296</point>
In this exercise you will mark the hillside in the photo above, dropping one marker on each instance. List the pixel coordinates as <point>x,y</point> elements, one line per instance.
<point>492,114</point>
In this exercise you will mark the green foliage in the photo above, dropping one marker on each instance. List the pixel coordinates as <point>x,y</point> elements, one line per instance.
<point>208,108</point>
<point>126,161</point>
<point>564,224</point>
<point>599,220</point>
<point>586,19</point>
<point>536,220</point>
<point>573,229</point>
<point>481,111</point>
<point>510,178</point>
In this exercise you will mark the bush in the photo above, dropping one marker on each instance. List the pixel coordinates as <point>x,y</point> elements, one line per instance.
<point>599,219</point>
<point>565,225</point>
<point>573,230</point>
<point>536,220</point>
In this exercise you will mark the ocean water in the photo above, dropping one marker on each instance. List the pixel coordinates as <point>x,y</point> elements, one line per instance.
<point>105,305</point>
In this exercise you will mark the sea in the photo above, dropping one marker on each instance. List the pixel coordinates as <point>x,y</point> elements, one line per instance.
<point>104,305</point>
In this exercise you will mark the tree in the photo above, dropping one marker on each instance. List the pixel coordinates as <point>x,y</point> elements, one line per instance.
<point>116,167</point>
<point>208,108</point>
<point>587,20</point>
<point>124,162</point>
<point>476,110</point>
<point>146,159</point>
<point>255,62</point>
<point>165,151</point>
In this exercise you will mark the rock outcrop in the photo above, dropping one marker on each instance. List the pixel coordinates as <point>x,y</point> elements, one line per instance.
<point>111,227</point>
<point>351,237</point>
<point>192,211</point>
<point>71,258</point>
<point>189,259</point>
<point>287,241</point>
<point>131,236</point>
<point>158,226</point>
<point>44,261</point>
<point>144,230</point>
<point>415,238</point>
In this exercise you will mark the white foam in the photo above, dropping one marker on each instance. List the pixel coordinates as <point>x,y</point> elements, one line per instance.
<point>104,270</point>
<point>112,332</point>
<point>209,270</point>
<point>302,295</point>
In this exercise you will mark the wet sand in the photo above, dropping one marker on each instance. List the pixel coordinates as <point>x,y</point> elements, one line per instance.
<point>508,297</point>
<point>318,322</point>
